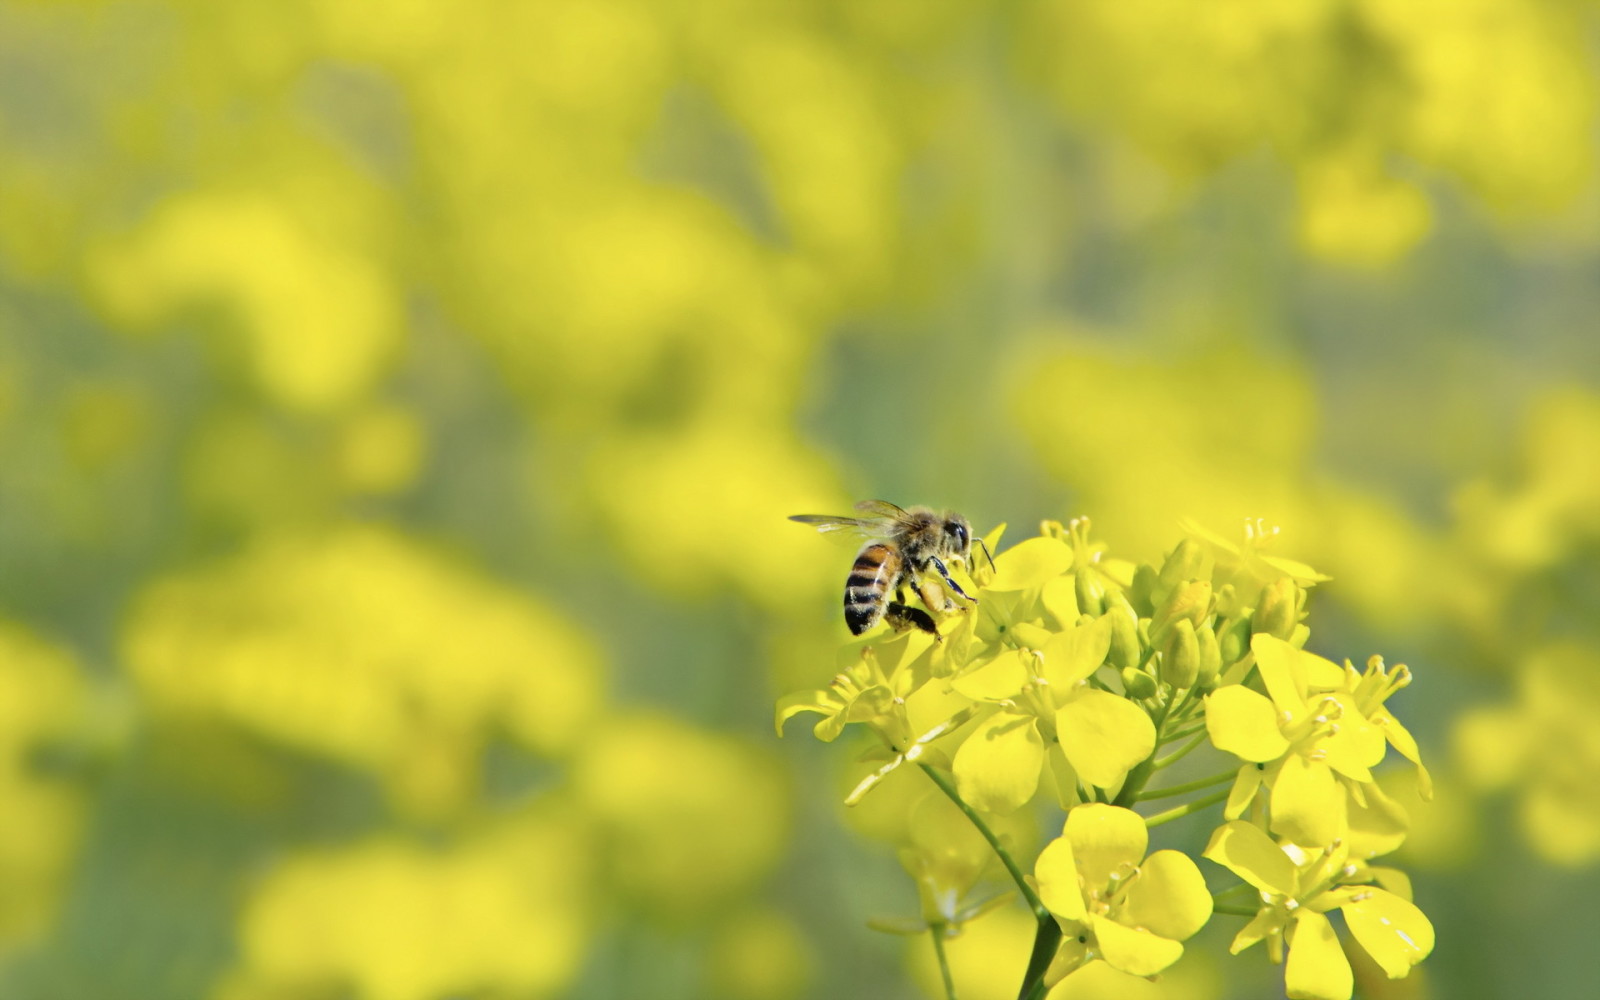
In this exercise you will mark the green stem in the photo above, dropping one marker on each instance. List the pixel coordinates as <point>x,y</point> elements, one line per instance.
<point>1045,941</point>
<point>1183,733</point>
<point>937,930</point>
<point>1134,782</point>
<point>1236,911</point>
<point>1185,809</point>
<point>949,789</point>
<point>1182,751</point>
<point>1183,703</point>
<point>1191,786</point>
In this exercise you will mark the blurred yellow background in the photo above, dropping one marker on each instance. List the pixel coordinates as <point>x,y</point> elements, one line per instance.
<point>400,404</point>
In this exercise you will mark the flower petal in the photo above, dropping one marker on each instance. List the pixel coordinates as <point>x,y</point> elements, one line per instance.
<point>1103,735</point>
<point>1244,849</point>
<point>1056,873</point>
<point>1030,563</point>
<point>1243,791</point>
<point>1308,805</point>
<point>1393,931</point>
<point>932,705</point>
<point>1392,879</point>
<point>1378,826</point>
<point>1275,659</point>
<point>1245,724</point>
<point>1317,968</point>
<point>1063,776</point>
<point>1265,923</point>
<point>820,701</point>
<point>1059,598</point>
<point>1401,739</point>
<point>1319,672</point>
<point>1076,652</point>
<point>1356,744</point>
<point>1000,678</point>
<point>997,768</point>
<point>1107,842</point>
<point>1298,571</point>
<point>1169,898</point>
<point>1136,952</point>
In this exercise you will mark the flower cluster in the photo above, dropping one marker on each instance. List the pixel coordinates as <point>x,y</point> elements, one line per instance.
<point>1076,681</point>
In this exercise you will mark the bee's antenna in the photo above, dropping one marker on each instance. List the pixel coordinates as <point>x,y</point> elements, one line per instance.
<point>985,546</point>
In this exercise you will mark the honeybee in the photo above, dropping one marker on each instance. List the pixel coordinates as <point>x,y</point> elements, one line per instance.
<point>903,546</point>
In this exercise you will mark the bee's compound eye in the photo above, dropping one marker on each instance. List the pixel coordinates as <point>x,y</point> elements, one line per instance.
<point>958,531</point>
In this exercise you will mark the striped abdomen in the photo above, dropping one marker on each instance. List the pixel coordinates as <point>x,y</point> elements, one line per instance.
<point>876,572</point>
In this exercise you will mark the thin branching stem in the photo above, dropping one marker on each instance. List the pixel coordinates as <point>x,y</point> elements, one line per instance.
<point>1186,787</point>
<point>1181,752</point>
<point>1045,941</point>
<point>1235,911</point>
<point>1183,733</point>
<point>1186,809</point>
<point>949,789</point>
<point>937,931</point>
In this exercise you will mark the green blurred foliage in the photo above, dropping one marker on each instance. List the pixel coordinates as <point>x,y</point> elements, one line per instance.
<point>399,405</point>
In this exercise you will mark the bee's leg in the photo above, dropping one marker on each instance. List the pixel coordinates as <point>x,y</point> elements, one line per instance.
<point>938,565</point>
<point>902,617</point>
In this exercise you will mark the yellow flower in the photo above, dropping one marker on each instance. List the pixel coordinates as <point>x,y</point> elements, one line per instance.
<point>864,691</point>
<point>1298,888</point>
<point>1319,733</point>
<point>1111,901</point>
<point>1048,701</point>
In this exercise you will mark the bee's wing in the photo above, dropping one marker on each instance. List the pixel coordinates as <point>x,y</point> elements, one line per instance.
<point>862,527</point>
<point>883,509</point>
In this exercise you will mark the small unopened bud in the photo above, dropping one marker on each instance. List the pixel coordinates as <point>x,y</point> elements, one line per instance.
<point>1210,658</point>
<point>1124,634</point>
<point>1137,683</point>
<point>1190,602</point>
<point>1234,641</point>
<point>1279,611</point>
<point>1189,561</point>
<point>1142,594</point>
<point>1180,655</point>
<point>1228,603</point>
<point>1091,592</point>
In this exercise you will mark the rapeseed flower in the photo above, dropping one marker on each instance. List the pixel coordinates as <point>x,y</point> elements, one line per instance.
<point>1113,903</point>
<point>1298,887</point>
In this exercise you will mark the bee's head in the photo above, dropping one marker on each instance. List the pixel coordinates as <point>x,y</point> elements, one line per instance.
<point>959,534</point>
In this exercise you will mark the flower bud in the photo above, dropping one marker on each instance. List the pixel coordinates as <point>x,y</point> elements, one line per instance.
<point>1189,561</point>
<point>1229,603</point>
<point>1180,655</point>
<point>1091,592</point>
<point>1124,634</point>
<point>1279,610</point>
<point>1137,683</point>
<point>1191,602</point>
<point>1142,594</point>
<point>1210,657</point>
<point>1234,641</point>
